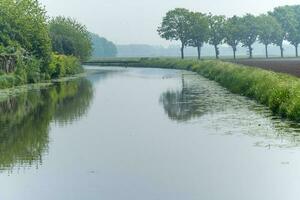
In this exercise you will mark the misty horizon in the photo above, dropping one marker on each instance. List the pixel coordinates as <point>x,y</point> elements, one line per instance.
<point>136,22</point>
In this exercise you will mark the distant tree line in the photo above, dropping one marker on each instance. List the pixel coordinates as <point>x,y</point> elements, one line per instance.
<point>102,47</point>
<point>195,28</point>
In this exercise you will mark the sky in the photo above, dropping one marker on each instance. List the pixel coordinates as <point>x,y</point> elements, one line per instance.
<point>136,21</point>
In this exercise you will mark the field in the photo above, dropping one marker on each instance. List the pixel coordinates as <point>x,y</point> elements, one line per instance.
<point>288,65</point>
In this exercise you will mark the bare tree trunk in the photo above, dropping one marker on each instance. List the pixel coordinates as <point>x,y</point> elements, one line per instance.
<point>281,51</point>
<point>267,54</point>
<point>296,48</point>
<point>217,51</point>
<point>199,52</point>
<point>182,51</point>
<point>5,64</point>
<point>250,52</point>
<point>234,52</point>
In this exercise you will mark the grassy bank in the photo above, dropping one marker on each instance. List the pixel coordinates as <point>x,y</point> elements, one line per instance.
<point>280,92</point>
<point>17,90</point>
<point>30,71</point>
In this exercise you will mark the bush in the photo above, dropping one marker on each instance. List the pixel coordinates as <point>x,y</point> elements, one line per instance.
<point>62,65</point>
<point>7,81</point>
<point>28,70</point>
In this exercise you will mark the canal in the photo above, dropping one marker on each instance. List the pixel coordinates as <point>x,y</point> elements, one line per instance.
<point>144,134</point>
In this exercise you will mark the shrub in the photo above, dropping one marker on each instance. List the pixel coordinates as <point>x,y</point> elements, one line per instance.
<point>62,65</point>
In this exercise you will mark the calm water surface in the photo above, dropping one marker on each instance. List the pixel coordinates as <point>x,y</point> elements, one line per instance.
<point>144,134</point>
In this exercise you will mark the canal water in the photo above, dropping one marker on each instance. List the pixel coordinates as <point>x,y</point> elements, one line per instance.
<point>144,134</point>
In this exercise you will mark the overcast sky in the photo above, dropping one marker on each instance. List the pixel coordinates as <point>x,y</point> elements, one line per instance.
<point>136,21</point>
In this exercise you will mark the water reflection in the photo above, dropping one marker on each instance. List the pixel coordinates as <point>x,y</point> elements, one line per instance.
<point>204,102</point>
<point>25,120</point>
<point>184,104</point>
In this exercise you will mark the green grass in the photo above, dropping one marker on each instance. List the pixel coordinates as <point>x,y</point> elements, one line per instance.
<point>280,92</point>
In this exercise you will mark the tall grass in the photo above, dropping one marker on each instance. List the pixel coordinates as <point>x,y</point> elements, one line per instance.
<point>280,92</point>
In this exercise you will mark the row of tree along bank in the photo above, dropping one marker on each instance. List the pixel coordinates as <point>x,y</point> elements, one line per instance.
<point>194,29</point>
<point>34,49</point>
<point>280,92</point>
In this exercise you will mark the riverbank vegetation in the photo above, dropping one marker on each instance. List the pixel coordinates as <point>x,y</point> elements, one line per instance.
<point>280,92</point>
<point>70,38</point>
<point>275,27</point>
<point>35,49</point>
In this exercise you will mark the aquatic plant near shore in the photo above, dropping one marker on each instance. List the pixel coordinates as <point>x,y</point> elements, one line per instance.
<point>280,92</point>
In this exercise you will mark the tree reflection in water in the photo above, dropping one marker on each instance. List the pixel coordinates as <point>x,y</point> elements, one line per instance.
<point>185,104</point>
<point>25,120</point>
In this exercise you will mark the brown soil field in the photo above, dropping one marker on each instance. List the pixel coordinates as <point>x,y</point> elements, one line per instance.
<point>289,66</point>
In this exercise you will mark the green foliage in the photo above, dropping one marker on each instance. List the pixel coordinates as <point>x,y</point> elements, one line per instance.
<point>175,26</point>
<point>217,31</point>
<point>23,25</point>
<point>25,44</point>
<point>62,65</point>
<point>269,30</point>
<point>69,37</point>
<point>102,47</point>
<point>249,31</point>
<point>7,80</point>
<point>280,92</point>
<point>28,70</point>
<point>199,30</point>
<point>233,33</point>
<point>288,17</point>
<point>273,28</point>
<point>33,71</point>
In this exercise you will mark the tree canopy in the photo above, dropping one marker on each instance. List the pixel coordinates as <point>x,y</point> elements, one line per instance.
<point>23,25</point>
<point>288,17</point>
<point>199,31</point>
<point>233,33</point>
<point>190,28</point>
<point>217,34</point>
<point>269,30</point>
<point>249,32</point>
<point>26,54</point>
<point>69,37</point>
<point>175,26</point>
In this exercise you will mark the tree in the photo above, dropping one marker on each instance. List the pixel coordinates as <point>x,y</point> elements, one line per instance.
<point>293,35</point>
<point>278,40</point>
<point>199,31</point>
<point>216,36</point>
<point>102,47</point>
<point>69,37</point>
<point>249,32</point>
<point>23,25</point>
<point>175,26</point>
<point>287,17</point>
<point>269,30</point>
<point>232,33</point>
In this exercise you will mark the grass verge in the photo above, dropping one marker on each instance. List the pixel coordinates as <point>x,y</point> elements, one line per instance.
<point>280,92</point>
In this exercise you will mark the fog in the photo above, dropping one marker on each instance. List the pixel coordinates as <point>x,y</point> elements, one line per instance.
<point>136,21</point>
